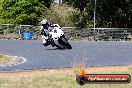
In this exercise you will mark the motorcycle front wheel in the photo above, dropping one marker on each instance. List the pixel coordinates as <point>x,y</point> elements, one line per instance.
<point>65,43</point>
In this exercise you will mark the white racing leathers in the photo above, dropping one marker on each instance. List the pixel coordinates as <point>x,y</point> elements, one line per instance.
<point>44,33</point>
<point>44,39</point>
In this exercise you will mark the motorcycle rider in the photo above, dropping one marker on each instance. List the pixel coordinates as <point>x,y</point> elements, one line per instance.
<point>45,32</point>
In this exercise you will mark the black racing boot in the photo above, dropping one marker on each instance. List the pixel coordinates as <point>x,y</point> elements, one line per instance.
<point>46,44</point>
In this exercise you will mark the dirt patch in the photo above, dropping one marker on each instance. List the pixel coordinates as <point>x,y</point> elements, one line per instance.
<point>4,59</point>
<point>7,60</point>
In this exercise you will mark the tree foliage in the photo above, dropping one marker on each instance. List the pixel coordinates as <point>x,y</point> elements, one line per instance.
<point>115,13</point>
<point>47,3</point>
<point>83,13</point>
<point>23,11</point>
<point>109,13</point>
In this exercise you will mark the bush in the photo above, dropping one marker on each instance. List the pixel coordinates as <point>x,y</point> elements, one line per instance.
<point>59,14</point>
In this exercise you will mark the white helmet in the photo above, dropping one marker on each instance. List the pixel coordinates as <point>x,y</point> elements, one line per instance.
<point>44,21</point>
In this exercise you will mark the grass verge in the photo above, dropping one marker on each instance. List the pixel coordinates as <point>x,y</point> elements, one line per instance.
<point>59,78</point>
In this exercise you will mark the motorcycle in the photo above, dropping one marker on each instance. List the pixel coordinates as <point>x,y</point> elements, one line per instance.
<point>57,38</point>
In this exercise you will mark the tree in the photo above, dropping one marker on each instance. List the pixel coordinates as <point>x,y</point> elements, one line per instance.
<point>22,11</point>
<point>83,13</point>
<point>114,13</point>
<point>47,3</point>
<point>109,13</point>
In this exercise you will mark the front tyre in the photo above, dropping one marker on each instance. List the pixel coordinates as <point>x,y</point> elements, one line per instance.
<point>65,43</point>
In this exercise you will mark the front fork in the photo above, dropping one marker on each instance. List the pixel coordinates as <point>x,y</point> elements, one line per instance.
<point>64,37</point>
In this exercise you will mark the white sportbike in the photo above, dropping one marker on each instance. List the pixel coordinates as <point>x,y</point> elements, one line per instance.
<point>57,38</point>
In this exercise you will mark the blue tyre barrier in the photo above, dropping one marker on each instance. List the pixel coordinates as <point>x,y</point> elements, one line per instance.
<point>27,35</point>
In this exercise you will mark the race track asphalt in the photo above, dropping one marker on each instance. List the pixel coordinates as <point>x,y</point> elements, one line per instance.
<point>90,53</point>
